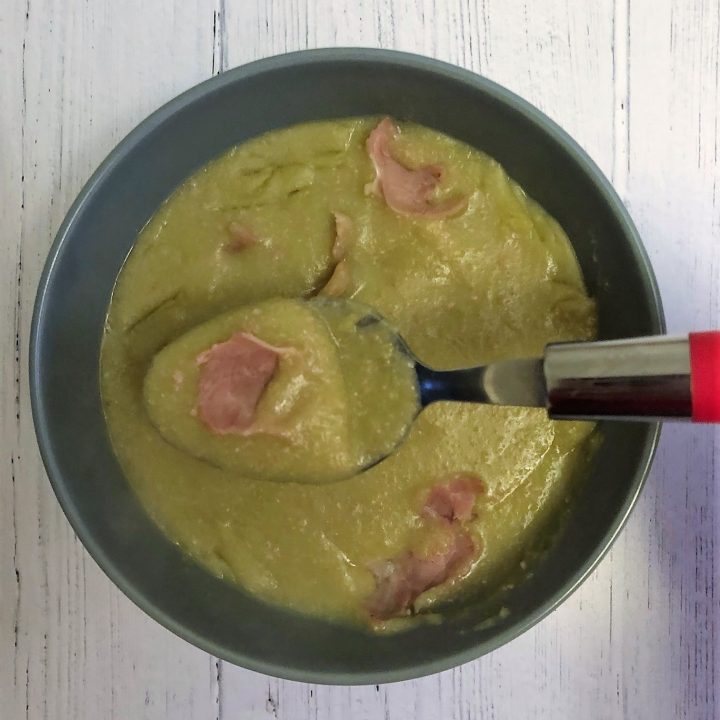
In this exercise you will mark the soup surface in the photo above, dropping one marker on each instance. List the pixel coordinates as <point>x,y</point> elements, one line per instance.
<point>436,237</point>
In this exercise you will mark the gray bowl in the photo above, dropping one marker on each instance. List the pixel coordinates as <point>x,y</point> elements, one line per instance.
<point>98,233</point>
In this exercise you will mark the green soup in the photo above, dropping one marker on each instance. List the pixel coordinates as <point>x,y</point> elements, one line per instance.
<point>496,280</point>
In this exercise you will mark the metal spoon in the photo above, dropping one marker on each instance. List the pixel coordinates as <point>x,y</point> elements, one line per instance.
<point>643,379</point>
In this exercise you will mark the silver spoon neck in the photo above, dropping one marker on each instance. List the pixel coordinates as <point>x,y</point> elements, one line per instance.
<point>633,379</point>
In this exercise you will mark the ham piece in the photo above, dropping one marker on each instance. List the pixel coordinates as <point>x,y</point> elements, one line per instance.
<point>233,377</point>
<point>407,192</point>
<point>454,499</point>
<point>240,237</point>
<point>339,281</point>
<point>341,278</point>
<point>399,581</point>
<point>343,236</point>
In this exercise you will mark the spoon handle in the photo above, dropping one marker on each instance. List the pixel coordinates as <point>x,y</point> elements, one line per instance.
<point>653,378</point>
<point>646,379</point>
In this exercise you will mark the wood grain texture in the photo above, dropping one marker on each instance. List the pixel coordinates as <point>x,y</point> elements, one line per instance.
<point>77,81</point>
<point>635,82</point>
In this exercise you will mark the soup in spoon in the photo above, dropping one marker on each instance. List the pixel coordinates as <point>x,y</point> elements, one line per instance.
<point>285,390</point>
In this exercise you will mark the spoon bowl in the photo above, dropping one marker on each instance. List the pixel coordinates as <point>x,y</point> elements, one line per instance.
<point>286,390</point>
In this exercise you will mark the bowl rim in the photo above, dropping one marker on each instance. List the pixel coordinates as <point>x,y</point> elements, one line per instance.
<point>106,167</point>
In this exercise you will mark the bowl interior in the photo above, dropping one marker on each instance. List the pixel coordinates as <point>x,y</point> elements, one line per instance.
<point>99,232</point>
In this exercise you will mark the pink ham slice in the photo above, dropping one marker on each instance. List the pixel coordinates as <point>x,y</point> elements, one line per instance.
<point>343,236</point>
<point>407,192</point>
<point>454,499</point>
<point>240,237</point>
<point>339,281</point>
<point>341,277</point>
<point>400,581</point>
<point>233,377</point>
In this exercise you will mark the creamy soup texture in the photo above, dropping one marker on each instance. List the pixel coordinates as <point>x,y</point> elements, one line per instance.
<point>434,235</point>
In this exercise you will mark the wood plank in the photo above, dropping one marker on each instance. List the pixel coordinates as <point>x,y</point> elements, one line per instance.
<point>672,181</point>
<point>80,76</point>
<point>11,201</point>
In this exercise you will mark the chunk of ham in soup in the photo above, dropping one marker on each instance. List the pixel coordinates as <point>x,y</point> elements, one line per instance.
<point>233,377</point>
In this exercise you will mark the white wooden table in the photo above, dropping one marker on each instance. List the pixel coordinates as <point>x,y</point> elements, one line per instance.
<point>635,82</point>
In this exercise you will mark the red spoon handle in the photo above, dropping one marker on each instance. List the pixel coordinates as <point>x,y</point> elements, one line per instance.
<point>705,376</point>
